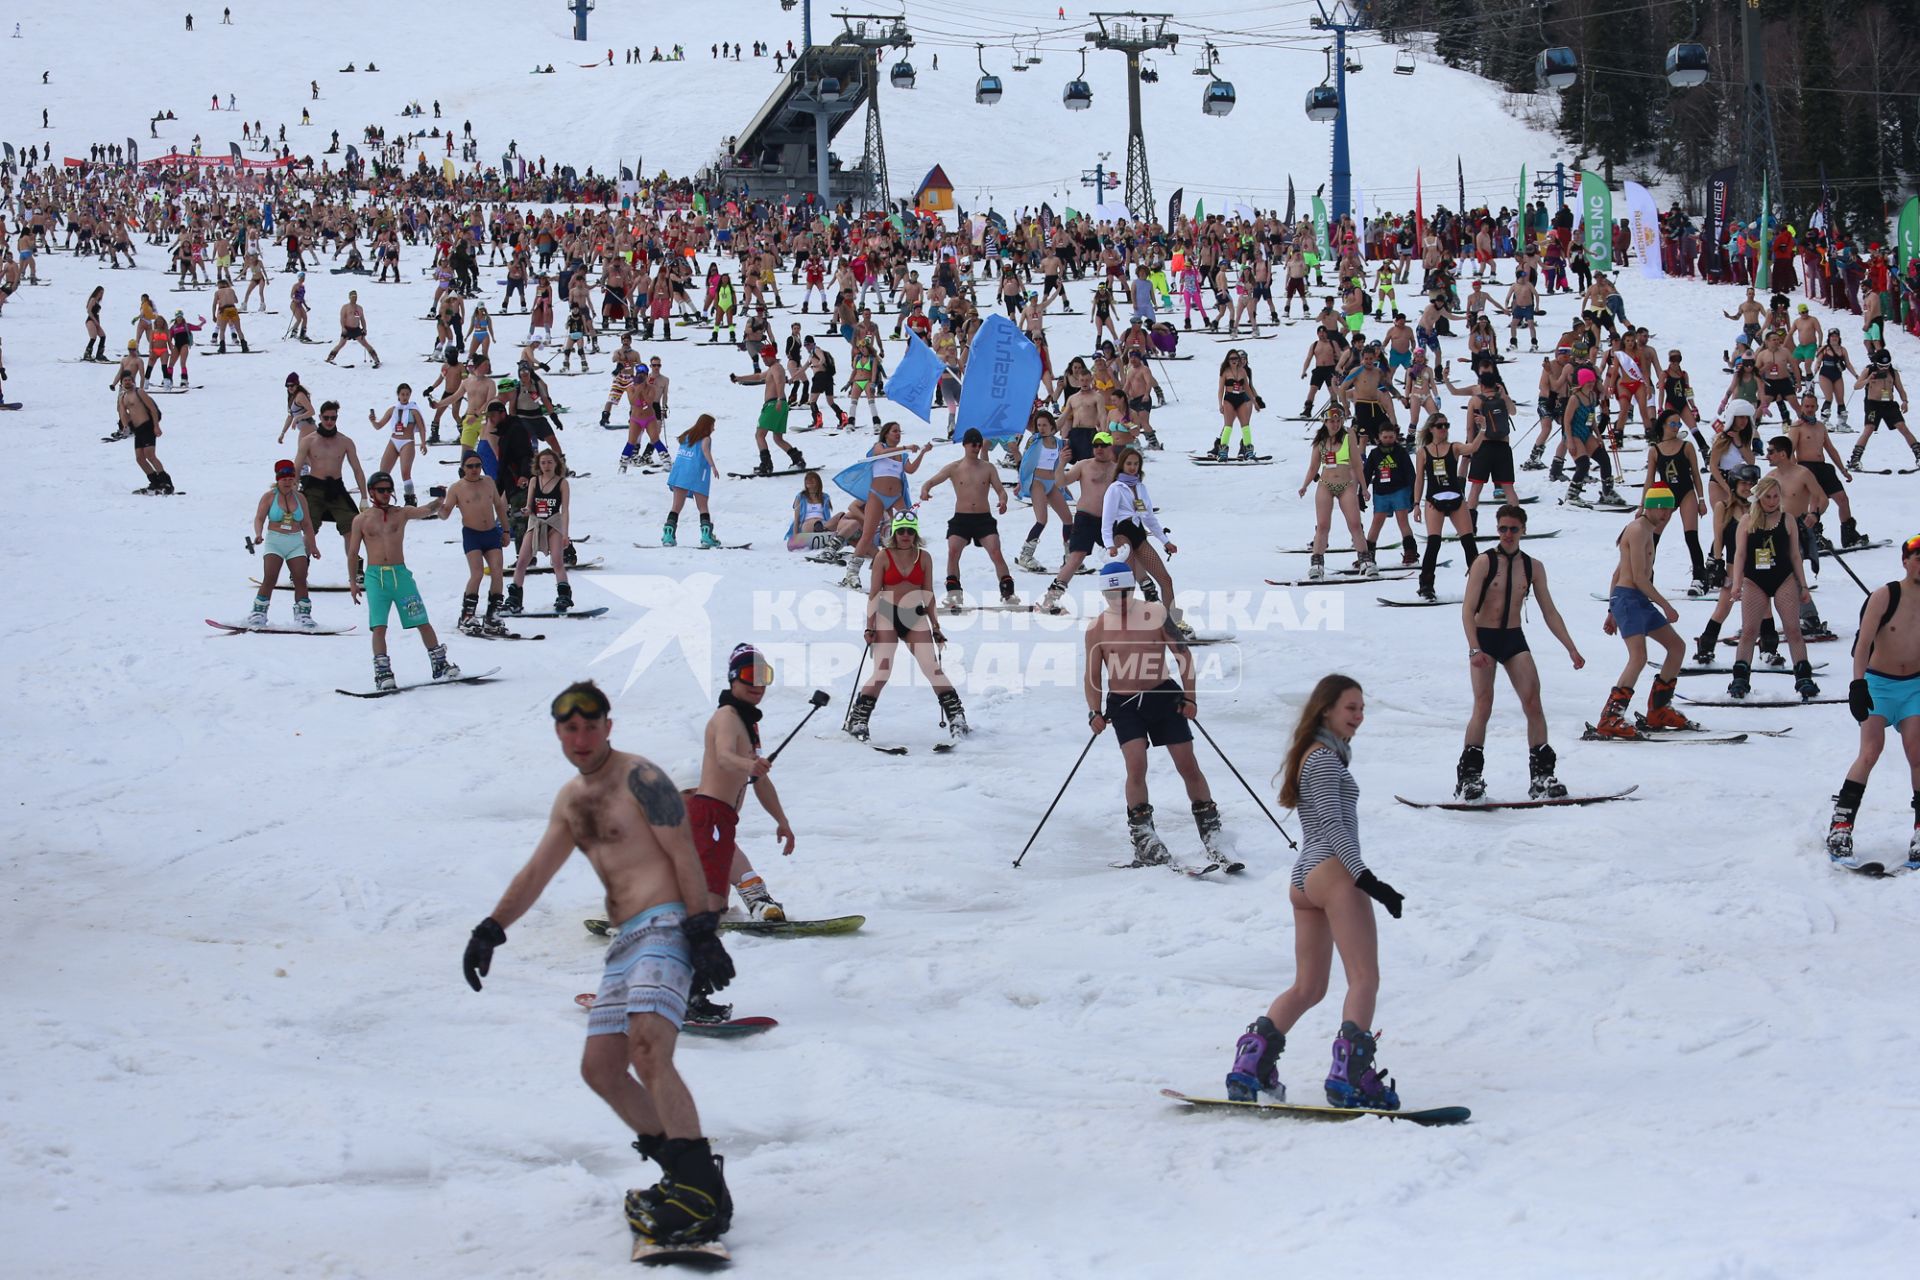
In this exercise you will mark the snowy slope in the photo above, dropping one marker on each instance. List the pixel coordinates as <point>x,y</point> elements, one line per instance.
<point>238,1042</point>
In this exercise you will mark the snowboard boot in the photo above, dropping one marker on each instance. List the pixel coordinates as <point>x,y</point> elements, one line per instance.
<point>1660,712</point>
<point>1007,597</point>
<point>258,618</point>
<point>162,483</point>
<point>758,902</point>
<point>563,597</point>
<point>1913,842</point>
<point>1916,454</point>
<point>605,414</point>
<point>1613,717</point>
<point>691,1204</point>
<point>859,714</point>
<point>1219,451</point>
<point>1255,1058</point>
<point>1609,496</point>
<point>244,348</point>
<point>670,531</point>
<point>796,460</point>
<point>700,1008</point>
<point>1469,780</point>
<point>1742,683</point>
<point>955,714</point>
<point>1026,559</point>
<point>1703,644</point>
<point>1148,849</point>
<point>766,463</point>
<point>1803,681</point>
<point>1356,1080</point>
<point>303,615</point>
<point>1846,806</point>
<point>1246,452</point>
<point>706,533</point>
<point>383,672</point>
<point>1206,818</point>
<point>1850,535</point>
<point>516,601</point>
<point>1409,553</point>
<point>1367,568</point>
<point>1541,784</point>
<point>443,669</point>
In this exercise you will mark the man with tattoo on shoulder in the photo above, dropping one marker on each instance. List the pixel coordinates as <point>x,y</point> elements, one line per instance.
<point>626,815</point>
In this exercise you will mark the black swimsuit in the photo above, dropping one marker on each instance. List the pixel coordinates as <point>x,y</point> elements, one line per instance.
<point>1443,478</point>
<point>1505,642</point>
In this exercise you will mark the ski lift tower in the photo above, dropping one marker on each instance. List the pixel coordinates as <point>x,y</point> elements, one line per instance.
<point>1341,19</point>
<point>888,31</point>
<point>581,8</point>
<point>1134,34</point>
<point>1758,152</point>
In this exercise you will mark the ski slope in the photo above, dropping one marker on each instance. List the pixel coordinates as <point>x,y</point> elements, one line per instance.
<point>235,901</point>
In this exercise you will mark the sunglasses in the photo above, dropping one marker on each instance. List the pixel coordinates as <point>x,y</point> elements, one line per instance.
<point>1512,528</point>
<point>470,466</point>
<point>582,703</point>
<point>329,417</point>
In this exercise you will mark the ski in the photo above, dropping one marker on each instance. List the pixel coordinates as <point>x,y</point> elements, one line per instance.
<point>311,586</point>
<point>476,678</point>
<point>241,628</point>
<point>1719,669</point>
<point>1591,734</point>
<point>1418,604</point>
<point>549,613</point>
<point>1640,723</point>
<point>1733,642</point>
<point>1761,702</point>
<point>497,635</point>
<point>587,566</point>
<point>1884,471</point>
<point>764,475</point>
<point>1191,870</point>
<point>692,546</point>
<point>1345,579</point>
<point>1208,460</point>
<point>1431,1116</point>
<point>1875,545</point>
<point>939,749</point>
<point>1471,806</point>
<point>831,927</point>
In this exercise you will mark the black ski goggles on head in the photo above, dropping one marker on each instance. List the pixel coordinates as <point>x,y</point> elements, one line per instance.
<point>588,703</point>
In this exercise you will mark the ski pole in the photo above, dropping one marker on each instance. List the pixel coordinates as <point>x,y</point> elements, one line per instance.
<point>1842,562</point>
<point>1056,798</point>
<point>1243,782</point>
<point>844,720</point>
<point>817,701</point>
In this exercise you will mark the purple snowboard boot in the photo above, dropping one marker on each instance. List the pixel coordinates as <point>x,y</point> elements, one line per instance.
<point>1253,1064</point>
<point>1354,1080</point>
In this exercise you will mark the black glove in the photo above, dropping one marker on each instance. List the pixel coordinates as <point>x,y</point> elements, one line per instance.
<point>1859,701</point>
<point>711,963</point>
<point>486,936</point>
<point>1380,891</point>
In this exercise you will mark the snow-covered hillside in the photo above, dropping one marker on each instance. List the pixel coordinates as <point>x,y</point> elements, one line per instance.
<point>237,1040</point>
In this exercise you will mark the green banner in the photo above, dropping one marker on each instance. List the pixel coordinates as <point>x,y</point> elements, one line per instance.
<point>1320,224</point>
<point>1596,227</point>
<point>1908,244</point>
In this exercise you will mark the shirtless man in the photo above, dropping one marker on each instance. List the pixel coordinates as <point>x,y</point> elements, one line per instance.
<point>1802,498</point>
<point>443,391</point>
<point>1813,449</point>
<point>389,584</point>
<point>1323,356</point>
<point>1885,694</point>
<point>140,418</point>
<point>1496,598</point>
<point>1636,610</point>
<point>1882,383</point>
<point>131,364</point>
<point>626,815</point>
<point>1148,701</point>
<point>321,457</point>
<point>773,418</point>
<point>1521,305</point>
<point>1750,314</point>
<point>226,315</point>
<point>353,328</point>
<point>483,532</point>
<point>972,477</point>
<point>1093,476</point>
<point>731,760</point>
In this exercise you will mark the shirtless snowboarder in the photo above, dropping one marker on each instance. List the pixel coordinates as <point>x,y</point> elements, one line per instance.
<point>972,478</point>
<point>389,584</point>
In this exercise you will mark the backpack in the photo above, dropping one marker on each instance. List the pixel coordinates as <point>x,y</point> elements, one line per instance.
<point>1893,603</point>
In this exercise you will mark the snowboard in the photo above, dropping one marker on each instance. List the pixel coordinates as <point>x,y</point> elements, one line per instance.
<point>1470,806</point>
<point>709,1257</point>
<point>1761,702</point>
<point>692,546</point>
<point>1430,1117</point>
<point>239,628</point>
<point>733,1028</point>
<point>311,586</point>
<point>1591,734</point>
<point>831,927</point>
<point>1345,579</point>
<point>585,566</point>
<point>476,678</point>
<point>1872,870</point>
<point>1733,642</point>
<point>1718,669</point>
<point>1418,604</point>
<point>1875,545</point>
<point>1207,460</point>
<point>756,475</point>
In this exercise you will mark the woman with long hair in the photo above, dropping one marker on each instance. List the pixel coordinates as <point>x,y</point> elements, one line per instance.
<point>549,509</point>
<point>1766,573</point>
<point>692,474</point>
<point>1730,504</point>
<point>1335,462</point>
<point>1330,892</point>
<point>900,610</point>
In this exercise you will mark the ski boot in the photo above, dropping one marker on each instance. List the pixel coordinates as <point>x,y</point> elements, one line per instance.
<point>1703,644</point>
<point>1533,462</point>
<point>1355,1080</point>
<point>1007,596</point>
<point>1613,718</point>
<point>1541,784</point>
<point>669,534</point>
<point>491,624</point>
<point>1698,587</point>
<point>626,457</point>
<point>1246,452</point>
<point>1317,569</point>
<point>1219,451</point>
<point>707,538</point>
<point>859,714</point>
<point>1853,462</point>
<point>1255,1056</point>
<point>303,615</point>
<point>1742,683</point>
<point>1148,849</point>
<point>1469,780</point>
<point>563,597</point>
<point>1803,681</point>
<point>851,578</point>
<point>383,673</point>
<point>1850,535</point>
<point>955,600</point>
<point>1367,568</point>
<point>469,606</point>
<point>1026,559</point>
<point>443,669</point>
<point>758,902</point>
<point>516,601</point>
<point>1050,602</point>
<point>1427,593</point>
<point>956,715</point>
<point>1609,496</point>
<point>1206,818</point>
<point>1846,806</point>
<point>1660,712</point>
<point>1557,471</point>
<point>258,618</point>
<point>1913,843</point>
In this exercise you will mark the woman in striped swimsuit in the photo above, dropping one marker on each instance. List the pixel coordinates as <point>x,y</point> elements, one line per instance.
<point>1331,911</point>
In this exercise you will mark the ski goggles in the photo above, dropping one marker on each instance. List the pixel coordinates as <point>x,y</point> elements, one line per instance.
<point>589,703</point>
<point>1911,547</point>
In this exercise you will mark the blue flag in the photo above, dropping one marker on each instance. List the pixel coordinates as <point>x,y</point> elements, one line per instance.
<point>857,480</point>
<point>911,385</point>
<point>1003,372</point>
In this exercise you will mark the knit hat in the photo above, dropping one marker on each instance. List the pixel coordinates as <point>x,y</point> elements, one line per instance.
<point>1658,498</point>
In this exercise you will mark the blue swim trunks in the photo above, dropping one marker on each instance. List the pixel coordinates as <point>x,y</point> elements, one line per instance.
<point>483,539</point>
<point>1633,613</point>
<point>1895,698</point>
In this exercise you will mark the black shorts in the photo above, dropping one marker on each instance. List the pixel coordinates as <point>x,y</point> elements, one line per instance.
<point>1883,413</point>
<point>1502,644</point>
<point>1492,461</point>
<point>1153,715</point>
<point>1085,535</point>
<point>143,436</point>
<point>973,527</point>
<point>1823,472</point>
<point>350,334</point>
<point>1322,375</point>
<point>1131,532</point>
<point>1080,442</point>
<point>329,501</point>
<point>1778,388</point>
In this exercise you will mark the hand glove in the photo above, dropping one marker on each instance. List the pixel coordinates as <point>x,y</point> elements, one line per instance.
<point>486,936</point>
<point>711,963</point>
<point>1859,701</point>
<point>1380,891</point>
